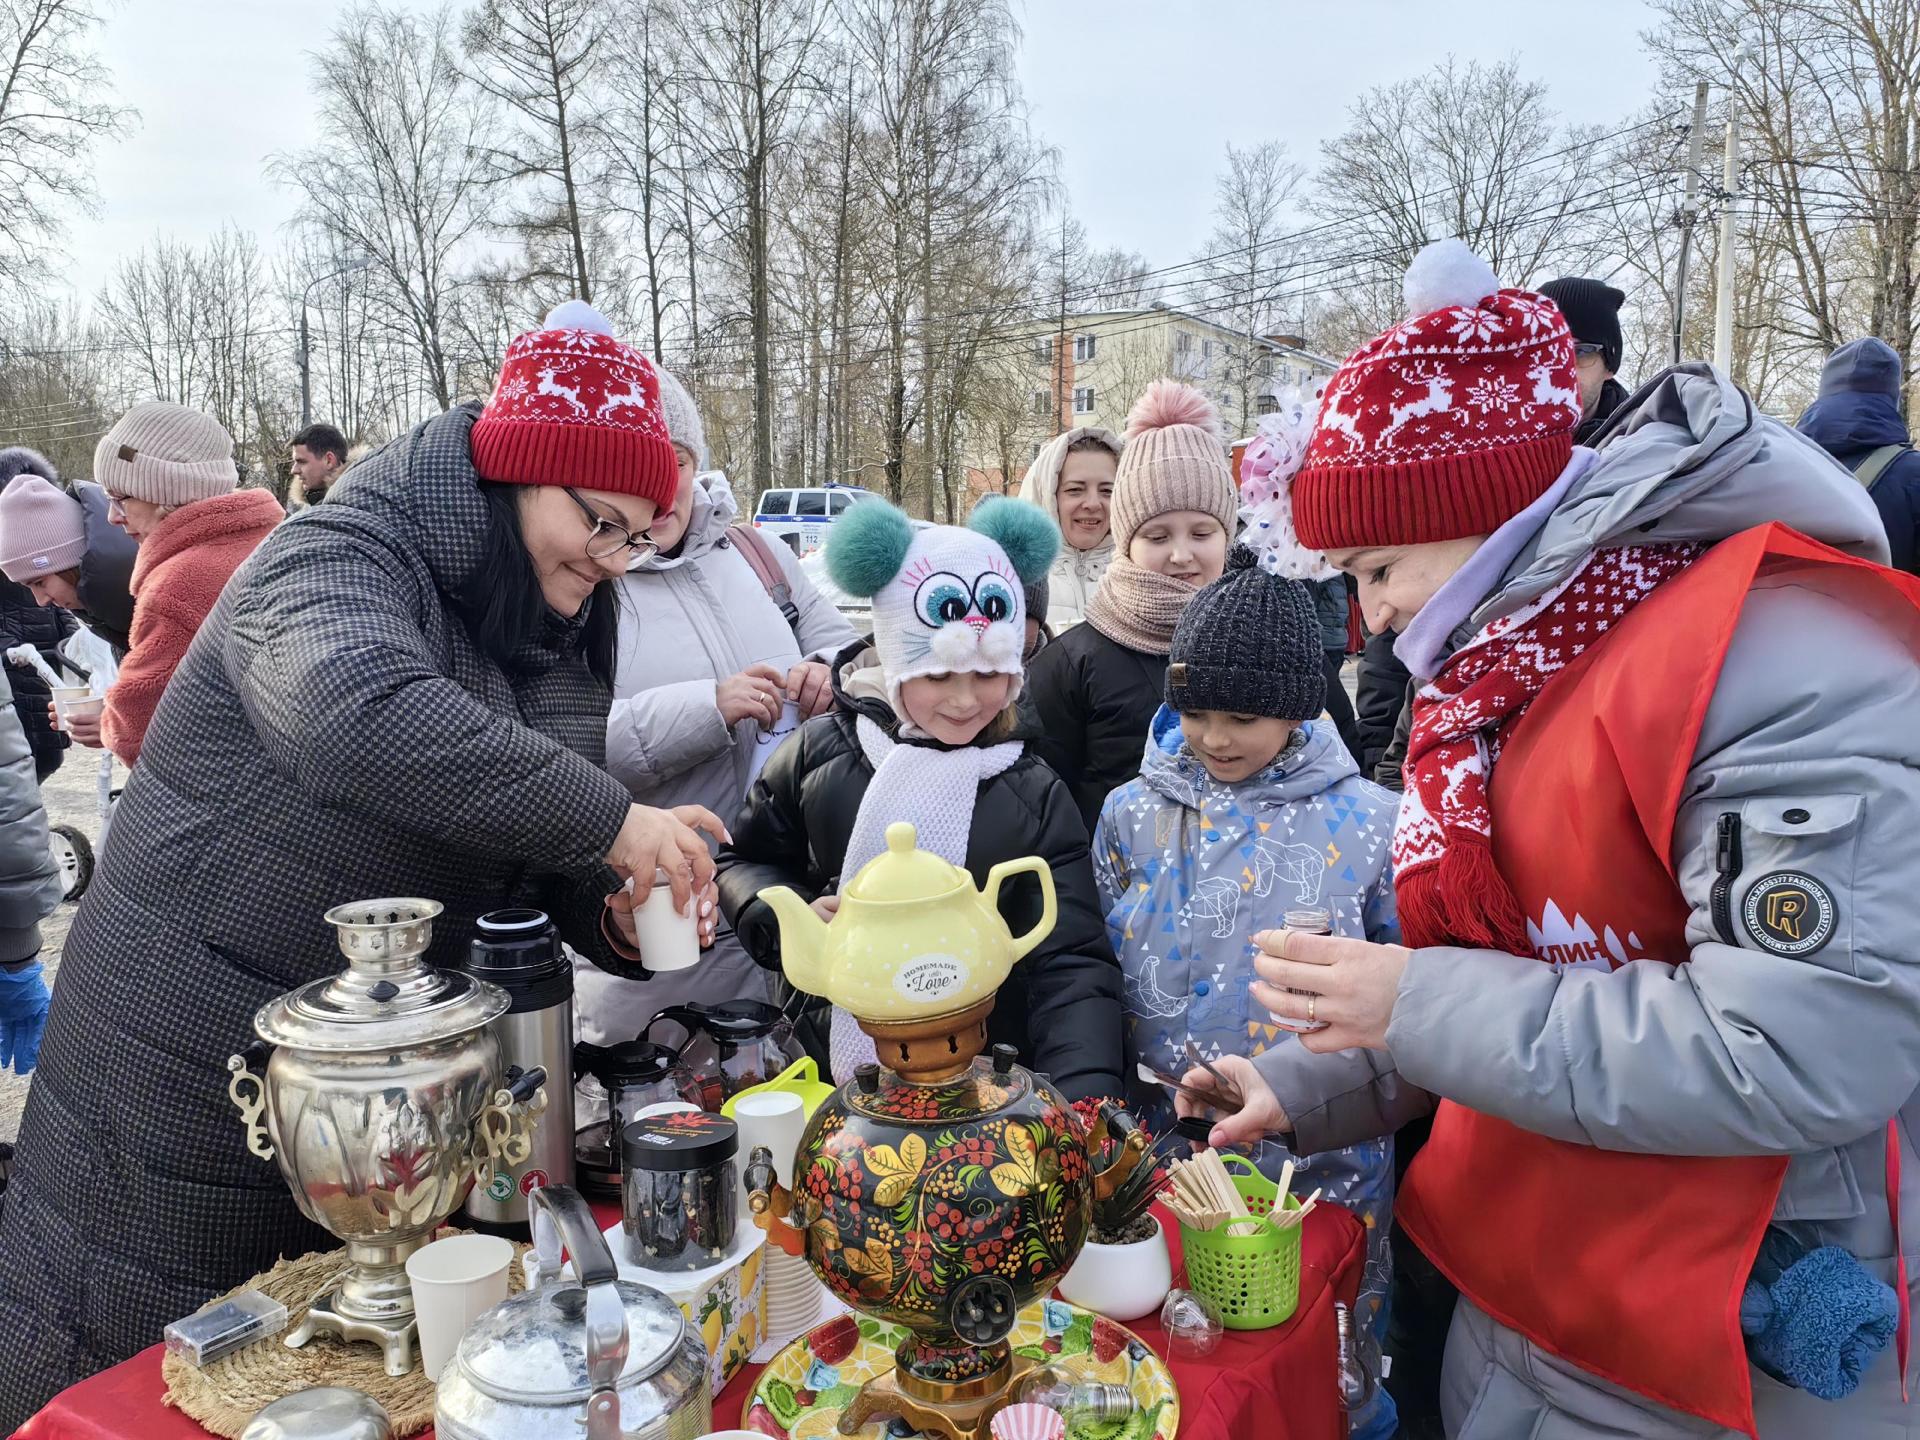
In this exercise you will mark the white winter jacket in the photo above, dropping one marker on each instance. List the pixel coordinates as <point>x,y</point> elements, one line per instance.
<point>687,622</point>
<point>1076,573</point>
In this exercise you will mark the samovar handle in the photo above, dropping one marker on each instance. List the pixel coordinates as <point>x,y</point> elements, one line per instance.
<point>253,1107</point>
<point>560,1217</point>
<point>503,1130</point>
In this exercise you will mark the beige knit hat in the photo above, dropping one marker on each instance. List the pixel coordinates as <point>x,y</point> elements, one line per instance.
<point>166,454</point>
<point>1175,460</point>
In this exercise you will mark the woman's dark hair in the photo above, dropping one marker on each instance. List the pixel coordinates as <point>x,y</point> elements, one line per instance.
<point>505,609</point>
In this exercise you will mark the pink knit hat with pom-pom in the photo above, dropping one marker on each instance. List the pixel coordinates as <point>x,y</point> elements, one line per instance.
<point>1175,459</point>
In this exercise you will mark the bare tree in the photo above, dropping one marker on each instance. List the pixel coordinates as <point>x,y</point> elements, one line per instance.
<point>1248,259</point>
<point>57,389</point>
<point>394,177</point>
<point>52,114</point>
<point>1830,105</point>
<point>1466,150</point>
<point>539,59</point>
<point>747,81</point>
<point>635,136</point>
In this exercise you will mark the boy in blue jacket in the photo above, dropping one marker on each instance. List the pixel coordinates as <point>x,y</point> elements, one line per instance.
<point>1248,807</point>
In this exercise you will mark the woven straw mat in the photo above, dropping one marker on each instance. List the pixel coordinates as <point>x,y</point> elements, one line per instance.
<point>228,1393</point>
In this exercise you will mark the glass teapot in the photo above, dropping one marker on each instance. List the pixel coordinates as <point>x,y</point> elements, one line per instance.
<point>728,1047</point>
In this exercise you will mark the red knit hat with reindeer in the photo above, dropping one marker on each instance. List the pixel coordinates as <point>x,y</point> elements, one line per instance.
<point>575,406</point>
<point>1447,425</point>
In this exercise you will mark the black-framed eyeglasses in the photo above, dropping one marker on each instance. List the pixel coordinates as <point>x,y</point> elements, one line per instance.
<point>608,539</point>
<point>1585,350</point>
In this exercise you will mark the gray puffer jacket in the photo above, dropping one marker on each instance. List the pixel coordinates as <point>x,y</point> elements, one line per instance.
<point>687,622</point>
<point>1811,741</point>
<point>335,733</point>
<point>30,883</point>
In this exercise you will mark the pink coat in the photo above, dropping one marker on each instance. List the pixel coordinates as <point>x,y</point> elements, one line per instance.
<point>180,571</point>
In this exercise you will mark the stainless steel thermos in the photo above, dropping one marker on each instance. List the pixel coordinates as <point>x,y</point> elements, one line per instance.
<point>519,950</point>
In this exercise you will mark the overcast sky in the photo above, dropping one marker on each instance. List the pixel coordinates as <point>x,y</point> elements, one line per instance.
<point>1140,97</point>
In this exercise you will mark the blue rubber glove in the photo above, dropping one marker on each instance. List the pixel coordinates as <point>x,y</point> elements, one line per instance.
<point>23,1016</point>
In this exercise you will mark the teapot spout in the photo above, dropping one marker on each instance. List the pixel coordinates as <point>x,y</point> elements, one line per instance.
<point>803,940</point>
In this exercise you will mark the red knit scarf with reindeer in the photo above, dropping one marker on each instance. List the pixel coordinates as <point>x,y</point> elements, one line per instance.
<point>1450,892</point>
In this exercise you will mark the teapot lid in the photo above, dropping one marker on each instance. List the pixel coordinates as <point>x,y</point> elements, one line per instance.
<point>388,996</point>
<point>533,1346</point>
<point>904,872</point>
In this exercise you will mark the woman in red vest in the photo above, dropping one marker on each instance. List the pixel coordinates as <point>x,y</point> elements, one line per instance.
<point>1670,747</point>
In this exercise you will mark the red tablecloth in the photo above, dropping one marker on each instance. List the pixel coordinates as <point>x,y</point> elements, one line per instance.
<point>1278,1384</point>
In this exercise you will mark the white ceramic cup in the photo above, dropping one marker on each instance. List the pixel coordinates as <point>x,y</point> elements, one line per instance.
<point>455,1281</point>
<point>775,1119</point>
<point>67,699</point>
<point>668,940</point>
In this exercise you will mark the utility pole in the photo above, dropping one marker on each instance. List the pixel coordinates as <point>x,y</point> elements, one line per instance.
<point>1689,213</point>
<point>1730,184</point>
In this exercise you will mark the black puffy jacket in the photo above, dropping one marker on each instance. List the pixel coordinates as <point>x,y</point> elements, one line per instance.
<point>1061,1006</point>
<point>1093,700</point>
<point>25,621</point>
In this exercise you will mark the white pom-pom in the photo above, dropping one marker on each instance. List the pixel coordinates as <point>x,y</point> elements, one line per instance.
<point>577,315</point>
<point>1447,273</point>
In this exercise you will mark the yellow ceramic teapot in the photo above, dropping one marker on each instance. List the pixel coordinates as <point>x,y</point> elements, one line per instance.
<point>913,938</point>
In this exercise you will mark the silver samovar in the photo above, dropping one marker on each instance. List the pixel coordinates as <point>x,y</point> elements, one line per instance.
<point>382,1095</point>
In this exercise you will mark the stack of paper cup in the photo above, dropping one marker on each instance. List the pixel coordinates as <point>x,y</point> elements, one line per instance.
<point>75,701</point>
<point>794,1295</point>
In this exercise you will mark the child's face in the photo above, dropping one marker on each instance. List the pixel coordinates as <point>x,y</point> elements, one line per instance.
<point>1187,545</point>
<point>954,708</point>
<point>1235,747</point>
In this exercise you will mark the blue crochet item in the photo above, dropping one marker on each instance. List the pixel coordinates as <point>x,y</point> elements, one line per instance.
<point>1813,1318</point>
<point>23,1016</point>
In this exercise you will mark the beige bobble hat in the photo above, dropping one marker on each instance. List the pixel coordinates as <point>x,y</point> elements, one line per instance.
<point>166,454</point>
<point>1175,460</point>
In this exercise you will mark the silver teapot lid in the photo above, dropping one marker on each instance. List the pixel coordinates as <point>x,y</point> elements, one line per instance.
<point>325,1412</point>
<point>533,1346</point>
<point>388,996</point>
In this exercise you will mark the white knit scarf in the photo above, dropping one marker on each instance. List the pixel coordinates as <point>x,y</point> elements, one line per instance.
<point>936,790</point>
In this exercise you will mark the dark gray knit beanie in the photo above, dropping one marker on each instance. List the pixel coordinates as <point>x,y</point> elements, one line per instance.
<point>1037,599</point>
<point>1248,644</point>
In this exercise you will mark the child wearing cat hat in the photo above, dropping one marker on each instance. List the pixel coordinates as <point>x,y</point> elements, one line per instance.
<point>924,728</point>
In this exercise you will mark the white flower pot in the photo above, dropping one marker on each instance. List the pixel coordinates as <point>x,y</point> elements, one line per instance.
<point>1121,1282</point>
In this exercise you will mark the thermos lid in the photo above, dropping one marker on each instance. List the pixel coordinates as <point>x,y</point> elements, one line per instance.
<point>521,951</point>
<point>684,1140</point>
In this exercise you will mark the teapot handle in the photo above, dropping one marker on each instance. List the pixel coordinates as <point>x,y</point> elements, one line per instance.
<point>560,1216</point>
<point>1049,911</point>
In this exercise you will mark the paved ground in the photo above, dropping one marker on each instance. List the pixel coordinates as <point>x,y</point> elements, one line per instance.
<point>71,797</point>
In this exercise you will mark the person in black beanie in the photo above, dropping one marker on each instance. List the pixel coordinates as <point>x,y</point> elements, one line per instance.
<point>1592,308</point>
<point>1248,808</point>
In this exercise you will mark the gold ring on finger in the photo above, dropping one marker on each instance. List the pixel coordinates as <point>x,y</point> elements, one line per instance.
<point>1312,1001</point>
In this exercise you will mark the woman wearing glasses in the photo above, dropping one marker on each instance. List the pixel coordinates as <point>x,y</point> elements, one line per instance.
<point>719,631</point>
<point>405,692</point>
<point>170,480</point>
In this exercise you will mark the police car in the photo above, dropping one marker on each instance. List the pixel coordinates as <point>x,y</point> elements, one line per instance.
<point>801,516</point>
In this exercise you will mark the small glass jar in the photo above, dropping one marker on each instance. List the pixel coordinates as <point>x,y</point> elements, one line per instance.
<point>679,1195</point>
<point>1304,922</point>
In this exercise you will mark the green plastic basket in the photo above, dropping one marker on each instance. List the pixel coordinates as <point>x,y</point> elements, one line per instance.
<point>1252,1279</point>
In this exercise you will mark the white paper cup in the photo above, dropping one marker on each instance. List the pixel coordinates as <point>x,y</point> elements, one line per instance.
<point>668,940</point>
<point>455,1281</point>
<point>775,1119</point>
<point>68,700</point>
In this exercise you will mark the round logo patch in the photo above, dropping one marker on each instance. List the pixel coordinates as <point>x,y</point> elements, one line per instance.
<point>1789,913</point>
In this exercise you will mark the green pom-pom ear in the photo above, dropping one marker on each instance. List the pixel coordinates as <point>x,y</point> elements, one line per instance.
<point>867,546</point>
<point>1026,532</point>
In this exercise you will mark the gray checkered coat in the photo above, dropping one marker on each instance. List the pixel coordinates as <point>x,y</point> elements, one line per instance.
<point>333,734</point>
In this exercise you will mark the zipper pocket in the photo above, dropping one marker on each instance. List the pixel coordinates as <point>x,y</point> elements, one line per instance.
<point>1726,867</point>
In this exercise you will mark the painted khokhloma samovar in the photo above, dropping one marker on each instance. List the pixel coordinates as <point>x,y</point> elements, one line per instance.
<point>939,1190</point>
<point>382,1095</point>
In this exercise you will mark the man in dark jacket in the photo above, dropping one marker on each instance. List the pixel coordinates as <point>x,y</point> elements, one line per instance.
<point>1858,420</point>
<point>1331,603</point>
<point>1592,308</point>
<point>1061,1005</point>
